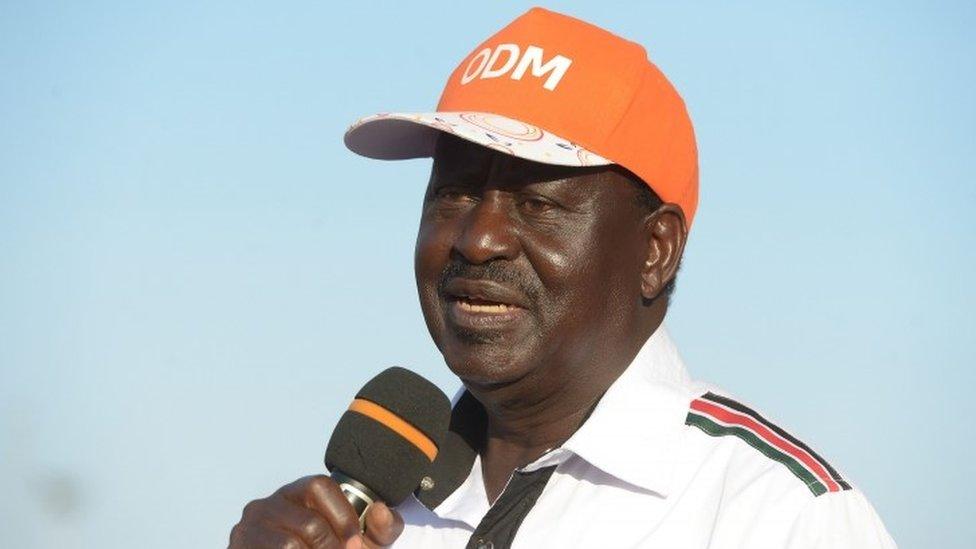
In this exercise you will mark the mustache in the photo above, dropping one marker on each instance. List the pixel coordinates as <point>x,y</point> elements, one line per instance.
<point>495,271</point>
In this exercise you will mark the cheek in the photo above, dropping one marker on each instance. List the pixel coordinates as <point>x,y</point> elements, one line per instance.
<point>587,277</point>
<point>566,257</point>
<point>432,252</point>
<point>431,255</point>
<point>563,266</point>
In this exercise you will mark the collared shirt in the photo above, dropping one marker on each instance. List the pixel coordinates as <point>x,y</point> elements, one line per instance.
<point>662,461</point>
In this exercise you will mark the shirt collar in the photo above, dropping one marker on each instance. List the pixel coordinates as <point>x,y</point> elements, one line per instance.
<point>632,433</point>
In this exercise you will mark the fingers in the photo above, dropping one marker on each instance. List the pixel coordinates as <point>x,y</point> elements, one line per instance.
<point>383,525</point>
<point>310,513</point>
<point>311,528</point>
<point>324,496</point>
<point>253,533</point>
<point>277,540</point>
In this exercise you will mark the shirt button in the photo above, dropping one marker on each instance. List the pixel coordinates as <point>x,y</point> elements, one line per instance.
<point>485,544</point>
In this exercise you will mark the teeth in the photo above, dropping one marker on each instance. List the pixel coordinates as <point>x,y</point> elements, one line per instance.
<point>494,308</point>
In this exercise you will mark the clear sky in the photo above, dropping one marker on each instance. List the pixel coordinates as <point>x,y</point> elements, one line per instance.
<point>195,275</point>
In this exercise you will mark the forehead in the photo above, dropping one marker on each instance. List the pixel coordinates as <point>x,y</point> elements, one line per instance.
<point>458,158</point>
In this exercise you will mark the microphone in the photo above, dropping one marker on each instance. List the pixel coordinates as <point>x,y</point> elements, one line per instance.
<point>385,443</point>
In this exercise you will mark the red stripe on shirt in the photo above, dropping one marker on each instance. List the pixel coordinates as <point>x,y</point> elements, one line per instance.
<point>735,418</point>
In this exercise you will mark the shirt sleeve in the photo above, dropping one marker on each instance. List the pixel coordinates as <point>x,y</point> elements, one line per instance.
<point>840,520</point>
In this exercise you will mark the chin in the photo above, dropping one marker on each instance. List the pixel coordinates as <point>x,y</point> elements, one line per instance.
<point>482,362</point>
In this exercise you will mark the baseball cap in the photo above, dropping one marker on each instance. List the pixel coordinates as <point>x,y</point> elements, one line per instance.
<point>554,89</point>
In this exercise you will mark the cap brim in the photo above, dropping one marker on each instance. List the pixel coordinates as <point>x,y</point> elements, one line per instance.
<point>398,136</point>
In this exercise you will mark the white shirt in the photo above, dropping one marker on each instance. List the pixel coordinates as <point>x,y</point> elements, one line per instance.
<point>658,464</point>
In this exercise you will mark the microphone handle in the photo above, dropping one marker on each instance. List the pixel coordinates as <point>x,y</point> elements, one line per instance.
<point>357,493</point>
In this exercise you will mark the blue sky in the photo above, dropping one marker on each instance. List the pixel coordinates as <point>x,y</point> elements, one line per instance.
<point>195,275</point>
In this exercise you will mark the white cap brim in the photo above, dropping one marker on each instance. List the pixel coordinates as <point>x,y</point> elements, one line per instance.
<point>398,136</point>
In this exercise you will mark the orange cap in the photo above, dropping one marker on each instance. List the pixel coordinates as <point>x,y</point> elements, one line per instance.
<point>554,89</point>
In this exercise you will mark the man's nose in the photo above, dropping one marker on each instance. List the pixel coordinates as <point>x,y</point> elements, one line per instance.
<point>488,232</point>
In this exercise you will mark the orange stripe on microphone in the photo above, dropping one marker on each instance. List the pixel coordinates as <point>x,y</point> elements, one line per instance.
<point>392,421</point>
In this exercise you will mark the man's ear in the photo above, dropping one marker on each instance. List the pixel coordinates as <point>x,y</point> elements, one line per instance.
<point>665,234</point>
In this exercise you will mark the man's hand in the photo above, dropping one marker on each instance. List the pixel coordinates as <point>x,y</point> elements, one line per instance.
<point>312,513</point>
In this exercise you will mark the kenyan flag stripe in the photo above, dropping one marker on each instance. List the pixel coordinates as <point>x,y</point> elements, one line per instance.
<point>729,403</point>
<point>714,429</point>
<point>709,426</point>
<point>730,418</point>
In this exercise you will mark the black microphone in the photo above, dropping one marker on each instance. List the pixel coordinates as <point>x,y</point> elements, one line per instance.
<point>385,443</point>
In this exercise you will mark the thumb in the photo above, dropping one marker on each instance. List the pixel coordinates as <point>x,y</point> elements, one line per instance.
<point>383,525</point>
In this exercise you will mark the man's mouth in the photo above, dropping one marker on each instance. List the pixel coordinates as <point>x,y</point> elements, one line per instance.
<point>482,306</point>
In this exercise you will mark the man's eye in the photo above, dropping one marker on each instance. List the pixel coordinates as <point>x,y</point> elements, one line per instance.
<point>453,195</point>
<point>536,205</point>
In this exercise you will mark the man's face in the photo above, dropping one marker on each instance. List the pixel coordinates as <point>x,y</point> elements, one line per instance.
<point>522,266</point>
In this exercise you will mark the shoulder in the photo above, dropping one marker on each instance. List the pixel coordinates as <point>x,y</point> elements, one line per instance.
<point>761,441</point>
<point>759,472</point>
<point>840,520</point>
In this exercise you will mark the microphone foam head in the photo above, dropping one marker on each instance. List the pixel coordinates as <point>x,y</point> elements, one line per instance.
<point>389,436</point>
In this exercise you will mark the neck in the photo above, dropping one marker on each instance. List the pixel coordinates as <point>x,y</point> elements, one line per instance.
<point>541,411</point>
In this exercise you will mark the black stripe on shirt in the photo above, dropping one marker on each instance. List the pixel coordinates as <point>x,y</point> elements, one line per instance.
<point>779,431</point>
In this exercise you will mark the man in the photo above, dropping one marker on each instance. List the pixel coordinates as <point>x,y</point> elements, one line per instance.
<point>563,187</point>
